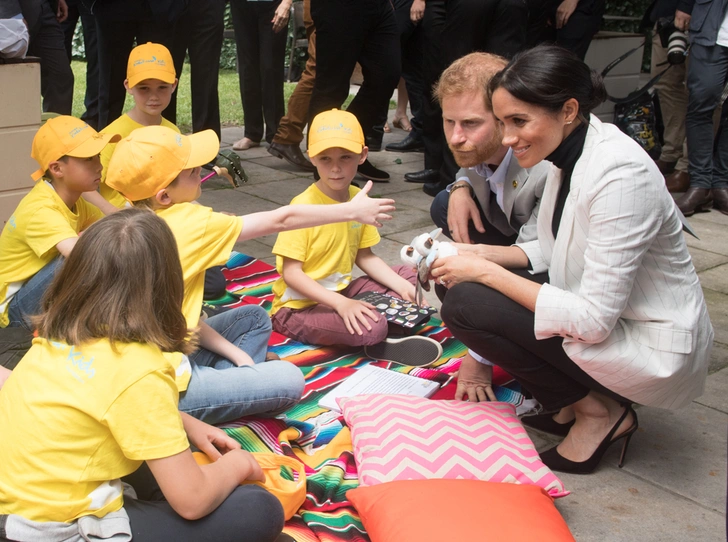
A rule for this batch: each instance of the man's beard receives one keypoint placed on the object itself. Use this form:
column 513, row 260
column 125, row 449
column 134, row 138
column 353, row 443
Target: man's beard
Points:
column 468, row 155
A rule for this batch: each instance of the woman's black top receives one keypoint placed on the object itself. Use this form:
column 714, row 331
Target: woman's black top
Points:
column 564, row 158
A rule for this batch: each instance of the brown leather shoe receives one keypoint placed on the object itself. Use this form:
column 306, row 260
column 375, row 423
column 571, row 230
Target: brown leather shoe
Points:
column 291, row 154
column 678, row 181
column 695, row 200
column 665, row 167
column 720, row 200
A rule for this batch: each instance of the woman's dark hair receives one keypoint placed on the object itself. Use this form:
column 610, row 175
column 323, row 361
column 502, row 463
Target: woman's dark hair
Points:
column 548, row 76
column 121, row 282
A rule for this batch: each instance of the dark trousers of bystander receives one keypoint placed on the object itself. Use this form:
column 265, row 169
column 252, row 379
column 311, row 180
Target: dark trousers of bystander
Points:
column 348, row 32
column 708, row 157
column 78, row 9
column 199, row 33
column 261, row 54
column 453, row 29
column 56, row 77
column 118, row 24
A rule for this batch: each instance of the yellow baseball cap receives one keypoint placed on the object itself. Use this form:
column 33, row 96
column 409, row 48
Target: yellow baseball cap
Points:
column 66, row 136
column 150, row 158
column 150, row 61
column 335, row 129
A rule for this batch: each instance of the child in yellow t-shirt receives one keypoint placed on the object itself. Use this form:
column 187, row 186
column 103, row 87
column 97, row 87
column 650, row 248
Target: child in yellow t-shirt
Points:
column 45, row 226
column 150, row 80
column 313, row 298
column 226, row 377
column 99, row 398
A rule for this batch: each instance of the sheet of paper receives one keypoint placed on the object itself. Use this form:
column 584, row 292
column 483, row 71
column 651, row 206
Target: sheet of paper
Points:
column 375, row 380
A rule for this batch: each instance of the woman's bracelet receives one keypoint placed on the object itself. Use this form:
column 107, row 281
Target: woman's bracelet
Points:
column 457, row 186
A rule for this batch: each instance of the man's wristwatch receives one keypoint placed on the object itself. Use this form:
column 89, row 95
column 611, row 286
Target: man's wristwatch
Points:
column 457, row 186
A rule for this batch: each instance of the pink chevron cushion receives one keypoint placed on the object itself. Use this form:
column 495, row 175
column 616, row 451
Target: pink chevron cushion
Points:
column 398, row 437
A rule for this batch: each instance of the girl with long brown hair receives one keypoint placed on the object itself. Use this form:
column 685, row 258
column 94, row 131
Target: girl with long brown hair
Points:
column 95, row 398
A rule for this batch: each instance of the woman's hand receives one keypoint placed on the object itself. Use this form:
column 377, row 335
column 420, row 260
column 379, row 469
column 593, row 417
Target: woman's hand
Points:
column 475, row 381
column 564, row 12
column 417, row 11
column 280, row 18
column 213, row 441
column 355, row 312
column 372, row 211
column 462, row 268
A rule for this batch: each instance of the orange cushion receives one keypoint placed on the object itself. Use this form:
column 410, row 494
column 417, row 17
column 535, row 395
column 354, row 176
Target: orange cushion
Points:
column 438, row 510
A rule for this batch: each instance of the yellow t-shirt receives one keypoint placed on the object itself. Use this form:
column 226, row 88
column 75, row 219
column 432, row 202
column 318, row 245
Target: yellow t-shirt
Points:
column 328, row 252
column 29, row 238
column 123, row 126
column 204, row 239
column 75, row 419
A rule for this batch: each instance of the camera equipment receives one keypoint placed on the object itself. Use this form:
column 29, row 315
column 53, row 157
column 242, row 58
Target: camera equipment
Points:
column 674, row 40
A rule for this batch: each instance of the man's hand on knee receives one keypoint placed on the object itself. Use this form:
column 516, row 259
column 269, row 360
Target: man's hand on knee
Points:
column 461, row 210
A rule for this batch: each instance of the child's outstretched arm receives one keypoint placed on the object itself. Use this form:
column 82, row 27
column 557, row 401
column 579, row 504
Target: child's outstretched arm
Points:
column 361, row 208
column 194, row 491
column 377, row 269
column 214, row 342
column 355, row 313
column 4, row 374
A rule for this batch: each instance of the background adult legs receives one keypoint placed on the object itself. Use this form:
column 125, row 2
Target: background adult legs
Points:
column 118, row 23
column 199, row 32
column 77, row 9
column 56, row 77
column 290, row 127
column 707, row 74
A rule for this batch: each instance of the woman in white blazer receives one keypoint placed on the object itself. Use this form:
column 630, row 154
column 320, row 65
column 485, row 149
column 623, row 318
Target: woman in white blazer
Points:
column 620, row 318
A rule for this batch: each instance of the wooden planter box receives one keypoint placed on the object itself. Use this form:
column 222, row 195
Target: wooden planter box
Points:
column 20, row 115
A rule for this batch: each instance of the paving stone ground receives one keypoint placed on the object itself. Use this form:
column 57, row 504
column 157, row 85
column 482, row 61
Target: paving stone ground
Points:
column 673, row 484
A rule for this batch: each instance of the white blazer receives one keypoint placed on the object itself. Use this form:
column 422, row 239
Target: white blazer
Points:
column 623, row 291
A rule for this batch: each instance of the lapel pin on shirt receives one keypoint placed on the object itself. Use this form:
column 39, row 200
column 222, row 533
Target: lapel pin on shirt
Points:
column 515, row 183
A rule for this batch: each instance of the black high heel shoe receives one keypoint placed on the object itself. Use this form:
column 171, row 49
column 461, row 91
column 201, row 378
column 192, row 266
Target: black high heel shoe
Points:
column 545, row 422
column 555, row 461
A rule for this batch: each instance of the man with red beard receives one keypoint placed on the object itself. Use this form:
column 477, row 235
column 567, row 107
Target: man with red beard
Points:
column 493, row 200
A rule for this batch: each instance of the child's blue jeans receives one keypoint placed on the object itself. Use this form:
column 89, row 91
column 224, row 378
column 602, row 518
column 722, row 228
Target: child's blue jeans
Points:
column 26, row 301
column 219, row 391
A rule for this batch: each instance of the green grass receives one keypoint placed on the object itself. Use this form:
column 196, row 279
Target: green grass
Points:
column 231, row 111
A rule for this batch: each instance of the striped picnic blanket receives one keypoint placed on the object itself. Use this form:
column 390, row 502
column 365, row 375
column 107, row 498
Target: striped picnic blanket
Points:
column 316, row 436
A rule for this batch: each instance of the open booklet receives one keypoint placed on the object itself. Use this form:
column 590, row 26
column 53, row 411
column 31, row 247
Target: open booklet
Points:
column 375, row 380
